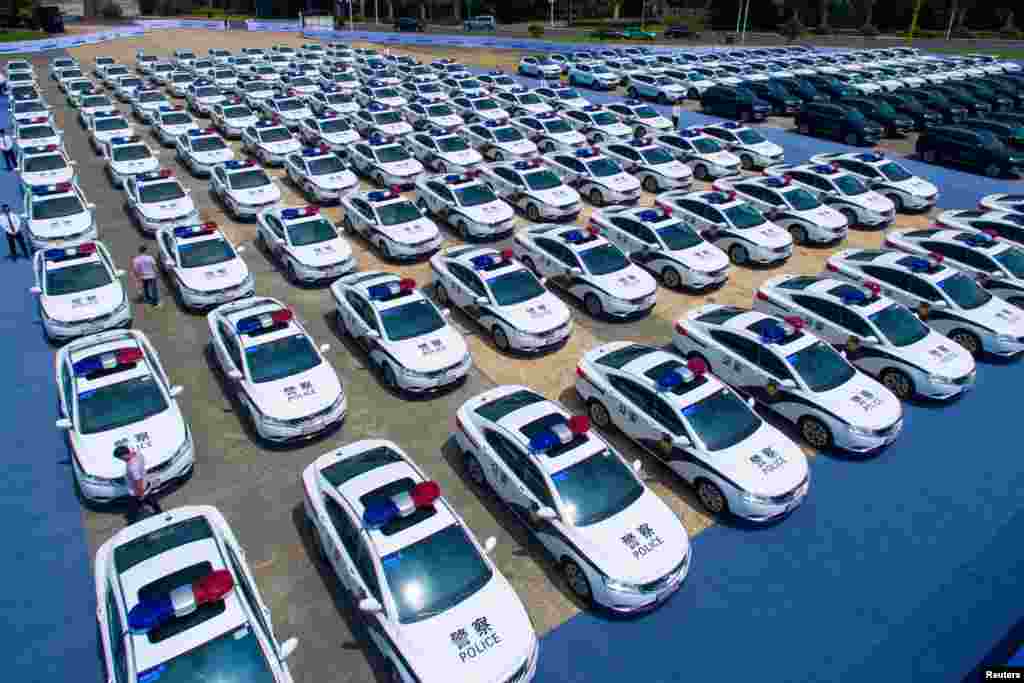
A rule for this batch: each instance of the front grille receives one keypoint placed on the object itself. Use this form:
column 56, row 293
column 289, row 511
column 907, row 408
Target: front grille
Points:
column 638, row 300
column 718, row 273
column 966, row 379
column 659, row 584
column 556, row 332
column 420, row 243
column 86, row 321
column 780, row 250
column 299, row 421
column 887, row 431
column 783, row 498
column 442, row 371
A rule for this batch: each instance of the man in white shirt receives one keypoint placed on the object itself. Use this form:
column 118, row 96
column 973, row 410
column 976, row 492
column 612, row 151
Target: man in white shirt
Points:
column 12, row 228
column 7, row 145
column 135, row 478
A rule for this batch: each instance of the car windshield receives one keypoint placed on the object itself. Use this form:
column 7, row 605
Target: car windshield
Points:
column 557, row 126
column 57, row 207
column 542, row 180
column 205, row 253
column 151, row 193
column 76, row 278
column 850, row 185
column 605, row 118
column 410, row 320
column 265, row 70
column 237, row 112
column 678, row 236
column 311, row 232
column 381, row 93
column 48, row 162
column 1013, row 260
column 434, row 574
column 35, row 132
column 208, row 144
column 391, row 154
column 800, row 199
column 290, row 105
column 474, row 195
column 275, row 135
column 656, row 156
column 131, row 153
column 152, row 97
column 119, row 405
column 899, row 325
column 596, row 488
column 452, row 144
column 507, row 135
column 96, row 101
column 398, row 213
column 182, row 78
column 36, row 105
column 964, row 291
column 750, row 137
column 885, row 108
column 603, row 259
column 274, row 360
column 439, row 110
column 326, row 165
column 176, row 119
column 821, row 367
column 706, row 145
column 721, row 420
column 515, row 287
column 568, row 94
column 744, row 216
column 246, row 180
column 387, row 117
column 207, row 92
column 529, row 98
column 895, row 172
column 111, row 123
column 485, row 105
column 604, row 167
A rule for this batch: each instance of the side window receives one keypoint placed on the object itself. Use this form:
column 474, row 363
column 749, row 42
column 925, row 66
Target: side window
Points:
column 508, row 175
column 827, row 310
column 771, row 364
column 923, row 289
column 348, row 534
column 965, row 255
column 231, row 346
column 116, row 634
column 666, row 417
column 637, row 395
column 564, row 254
column 364, row 563
column 68, row 387
column 275, row 226
column 713, row 214
column 887, row 276
column 169, row 246
column 250, row 592
column 468, row 278
column 534, row 480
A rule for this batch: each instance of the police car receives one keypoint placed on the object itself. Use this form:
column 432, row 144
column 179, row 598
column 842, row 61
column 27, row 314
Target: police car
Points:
column 615, row 542
column 842, row 191
column 480, row 109
column 425, row 90
column 598, row 124
column 35, row 108
column 243, row 188
column 201, row 95
column 522, row 102
column 466, row 203
column 550, row 132
column 641, row 117
column 343, row 81
column 887, row 177
column 504, row 297
column 664, row 245
column 500, row 141
column 320, row 174
column 534, row 189
column 58, row 63
column 47, row 165
column 377, row 119
column 653, row 165
column 203, row 266
column 112, row 73
column 791, row 207
column 442, row 151
column 72, row 87
column 449, row 68
column 127, row 157
column 203, row 68
column 593, row 75
column 408, row 340
column 998, row 265
column 224, row 78
column 161, row 72
column 183, row 58
column 270, row 142
column 201, row 149
column 114, row 391
column 57, row 215
column 221, row 56
column 731, row 224
column 329, row 130
column 539, row 66
column 332, row 100
column 280, row 63
column 1002, row 202
column 179, row 82
column 289, row 110
column 299, row 84
column 157, row 200
column 698, row 427
column 498, row 82
column 170, row 123
column 434, row 602
column 147, row 102
column 385, row 161
column 881, row 337
column 427, row 114
column 465, row 87
column 375, row 91
column 948, row 300
column 307, row 244
column 174, row 594
column 99, row 63
column 66, row 76
column 657, row 87
column 793, row 373
column 589, row 267
column 102, row 126
column 126, row 87
column 391, row 223
column 749, row 145
column 232, row 116
column 595, row 176
column 79, row 291
column 562, row 98
column 266, row 74
column 37, row 132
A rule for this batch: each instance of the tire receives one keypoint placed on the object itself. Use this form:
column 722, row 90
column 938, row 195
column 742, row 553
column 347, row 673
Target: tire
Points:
column 968, row 340
column 385, row 252
column 593, row 305
column 640, row 131
column 500, row 338
column 347, row 226
column 499, row 157
column 598, row 138
column 596, row 199
column 896, row 202
column 670, row 278
column 261, row 243
column 804, row 129
column 421, row 204
column 292, row 276
column 441, row 168
column 993, row 171
column 632, row 93
column 799, row 234
column 852, row 140
column 711, row 497
column 746, row 117
column 599, row 415
column 701, row 172
column 379, row 180
column 650, row 184
column 815, row 432
column 474, row 471
column 898, row 382
column 533, row 213
column 387, row 376
column 577, row 581
column 738, row 254
column 747, row 162
column 462, row 230
column 693, row 94
column 441, row 294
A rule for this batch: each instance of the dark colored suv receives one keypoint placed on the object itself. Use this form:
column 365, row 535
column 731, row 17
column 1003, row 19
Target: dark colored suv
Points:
column 951, row 113
column 802, row 88
column 877, row 110
column 1011, row 135
column 957, row 95
column 837, row 122
column 1006, row 88
column 410, row 24
column 832, row 87
column 906, row 105
column 734, row 103
column 783, row 103
column 983, row 92
column 975, row 149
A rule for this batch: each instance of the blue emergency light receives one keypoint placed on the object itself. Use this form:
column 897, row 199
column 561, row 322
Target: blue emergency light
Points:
column 315, row 151
column 917, row 265
column 491, row 261
column 852, row 296
column 871, row 157
column 670, row 380
column 491, row 124
column 652, row 215
column 165, row 109
column 264, row 321
column 690, row 133
column 633, row 103
column 378, row 139
column 826, row 169
column 290, row 214
column 196, row 132
column 776, row 332
column 375, row 106
column 85, row 249
column 592, row 107
column 719, row 197
column 195, row 230
column 586, row 153
column 730, row 125
column 236, row 163
column 776, row 182
column 381, row 195
column 641, row 142
column 980, row 239
column 382, row 511
column 154, row 175
column 155, row 611
column 41, row 150
column 560, row 434
column 110, row 360
column 125, row 140
column 390, row 290
column 43, row 190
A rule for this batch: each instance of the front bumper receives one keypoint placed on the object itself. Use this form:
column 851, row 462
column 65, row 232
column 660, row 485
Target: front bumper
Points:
column 150, row 226
column 997, row 347
column 622, row 308
column 873, row 219
column 161, row 479
column 942, row 391
column 760, row 255
column 491, row 229
column 629, row 602
column 40, row 243
column 917, row 202
column 249, row 210
column 303, row 428
column 535, row 343
column 864, row 443
column 765, row 511
column 434, row 381
column 196, row 299
column 319, row 273
column 119, row 317
column 696, row 279
column 404, row 250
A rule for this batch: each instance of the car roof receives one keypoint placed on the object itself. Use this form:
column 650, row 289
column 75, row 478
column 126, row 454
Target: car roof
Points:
column 255, row 306
column 829, row 289
column 750, row 324
column 890, row 259
column 647, row 364
column 100, row 344
column 365, row 280
column 968, row 239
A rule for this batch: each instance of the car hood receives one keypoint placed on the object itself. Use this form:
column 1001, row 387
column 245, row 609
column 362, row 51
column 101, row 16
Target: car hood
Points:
column 396, row 129
column 295, row 114
column 723, row 158
column 292, row 398
column 632, row 282
column 257, row 195
column 406, row 167
column 282, row 147
column 767, row 463
column 491, row 212
column 84, row 305
column 620, row 182
column 138, row 166
column 241, row 121
column 431, row 352
column 768, row 235
column 219, row 276
column 519, row 147
column 60, row 175
column 491, row 114
column 862, row 402
column 419, row 230
column 336, row 181
column 60, row 227
column 324, row 253
column 216, row 156
column 938, row 355
column 915, row 186
column 997, row 315
column 466, row 157
column 556, row 196
column 872, row 201
column 448, row 121
column 768, row 149
column 704, row 258
column 824, row 216
column 171, row 209
column 539, row 314
column 165, row 432
column 618, row 130
column 673, row 169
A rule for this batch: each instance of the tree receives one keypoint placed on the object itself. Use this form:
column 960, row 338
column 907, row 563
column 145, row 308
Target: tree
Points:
column 1006, row 14
column 869, row 11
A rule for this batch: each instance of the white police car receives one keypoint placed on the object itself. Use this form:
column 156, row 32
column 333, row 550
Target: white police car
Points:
column 102, row 126
column 179, row 82
column 500, row 141
column 589, row 267
column 664, row 245
column 653, row 165
column 201, row 95
column 794, row 374
column 203, row 68
column 243, row 188
column 503, row 296
column 266, row 73
column 408, row 340
column 320, row 174
column 657, row 87
column 174, row 595
column 58, row 63
column 615, row 542
column 1002, row 201
column 47, row 165
column 480, row 109
column 161, row 72
column 385, row 161
column 377, row 119
column 534, row 189
column 593, row 75
column 37, row 132
column 550, row 132
column 391, row 223
column 65, row 76
column 183, row 58
column 306, row 243
column 343, row 81
column 126, row 87
column 466, row 203
column 158, row 200
column 222, row 56
column 224, row 78
column 79, row 291
column 232, row 116
column 203, row 266
column 539, row 66
column 842, row 191
column 598, row 124
column 699, row 428
column 791, row 207
column 434, row 603
column 128, row 157
column 887, row 177
column 425, row 90
column 200, row 149
column 170, row 123
column 112, row 73
column 375, row 91
column 522, row 102
column 57, row 216
column 881, row 337
column 289, row 110
column 270, row 142
column 425, row 114
column 1005, row 224
column 562, row 98
column 948, row 300
column 331, row 100
column 753, row 149
column 99, row 63
column 643, row 118
column 254, row 90
column 28, row 109
column 147, row 102
column 498, row 81
column 442, row 151
column 595, row 176
column 731, row 224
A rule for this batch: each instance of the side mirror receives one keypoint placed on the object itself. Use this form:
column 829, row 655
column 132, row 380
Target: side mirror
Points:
column 37, row 290
column 752, row 403
column 168, row 263
column 788, row 384
column 490, row 544
column 370, row 606
column 446, row 312
column 941, row 303
column 324, row 348
column 90, row 206
column 574, row 271
column 74, row 163
column 240, row 249
column 870, row 339
column 544, row 512
column 481, row 301
column 638, row 467
column 119, row 272
column 287, row 648
column 63, row 423
column 176, row 390
column 235, row 375
column 373, row 334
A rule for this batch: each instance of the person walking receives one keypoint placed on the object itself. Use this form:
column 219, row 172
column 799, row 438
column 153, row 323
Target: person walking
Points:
column 7, row 145
column 144, row 271
column 12, row 228
column 677, row 113
column 139, row 487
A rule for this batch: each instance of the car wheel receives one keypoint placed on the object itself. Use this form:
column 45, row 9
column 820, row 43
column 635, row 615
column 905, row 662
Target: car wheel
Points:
column 815, row 432
column 651, row 184
column 462, row 229
column 474, row 470
column 711, row 497
column 929, row 156
column 387, row 375
column 738, row 254
column 598, row 138
column 548, row 147
column 441, row 168
column 896, row 202
column 898, row 382
column 993, row 171
column 421, row 204
column 379, row 179
column 385, row 251
column 500, row 338
column 968, row 340
column 746, row 117
column 850, row 216
column 596, row 198
column 593, row 305
column 804, row 129
column 799, row 234
column 292, row 276
column 347, row 226
column 670, row 278
column 747, row 162
column 577, row 581
column 1016, row 301
column 441, row 294
column 599, row 415
column 852, row 140
column 498, row 156
column 533, row 213
column 261, row 243
column 701, row 171
column 693, row 94
column 640, row 131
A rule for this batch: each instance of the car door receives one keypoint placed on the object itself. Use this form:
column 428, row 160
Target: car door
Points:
column 363, row 219
column 465, row 288
column 962, row 257
column 277, row 239
column 356, row 317
column 506, row 184
column 825, row 319
column 226, row 347
column 736, row 361
column 629, row 236
column 630, row 411
column 439, row 199
column 503, row 471
column 554, row 260
column 341, row 546
column 629, row 158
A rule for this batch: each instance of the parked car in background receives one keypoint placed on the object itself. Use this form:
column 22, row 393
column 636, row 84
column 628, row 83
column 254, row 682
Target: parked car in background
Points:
column 481, row 23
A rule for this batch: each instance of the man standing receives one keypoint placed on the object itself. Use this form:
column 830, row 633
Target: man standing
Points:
column 135, row 478
column 7, row 145
column 677, row 112
column 144, row 270
column 12, row 228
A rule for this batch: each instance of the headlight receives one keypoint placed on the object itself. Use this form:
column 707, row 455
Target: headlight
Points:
column 620, row 586
column 941, row 379
column 754, row 498
column 860, row 431
column 184, row 449
column 100, row 481
column 1006, row 338
column 413, row 374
